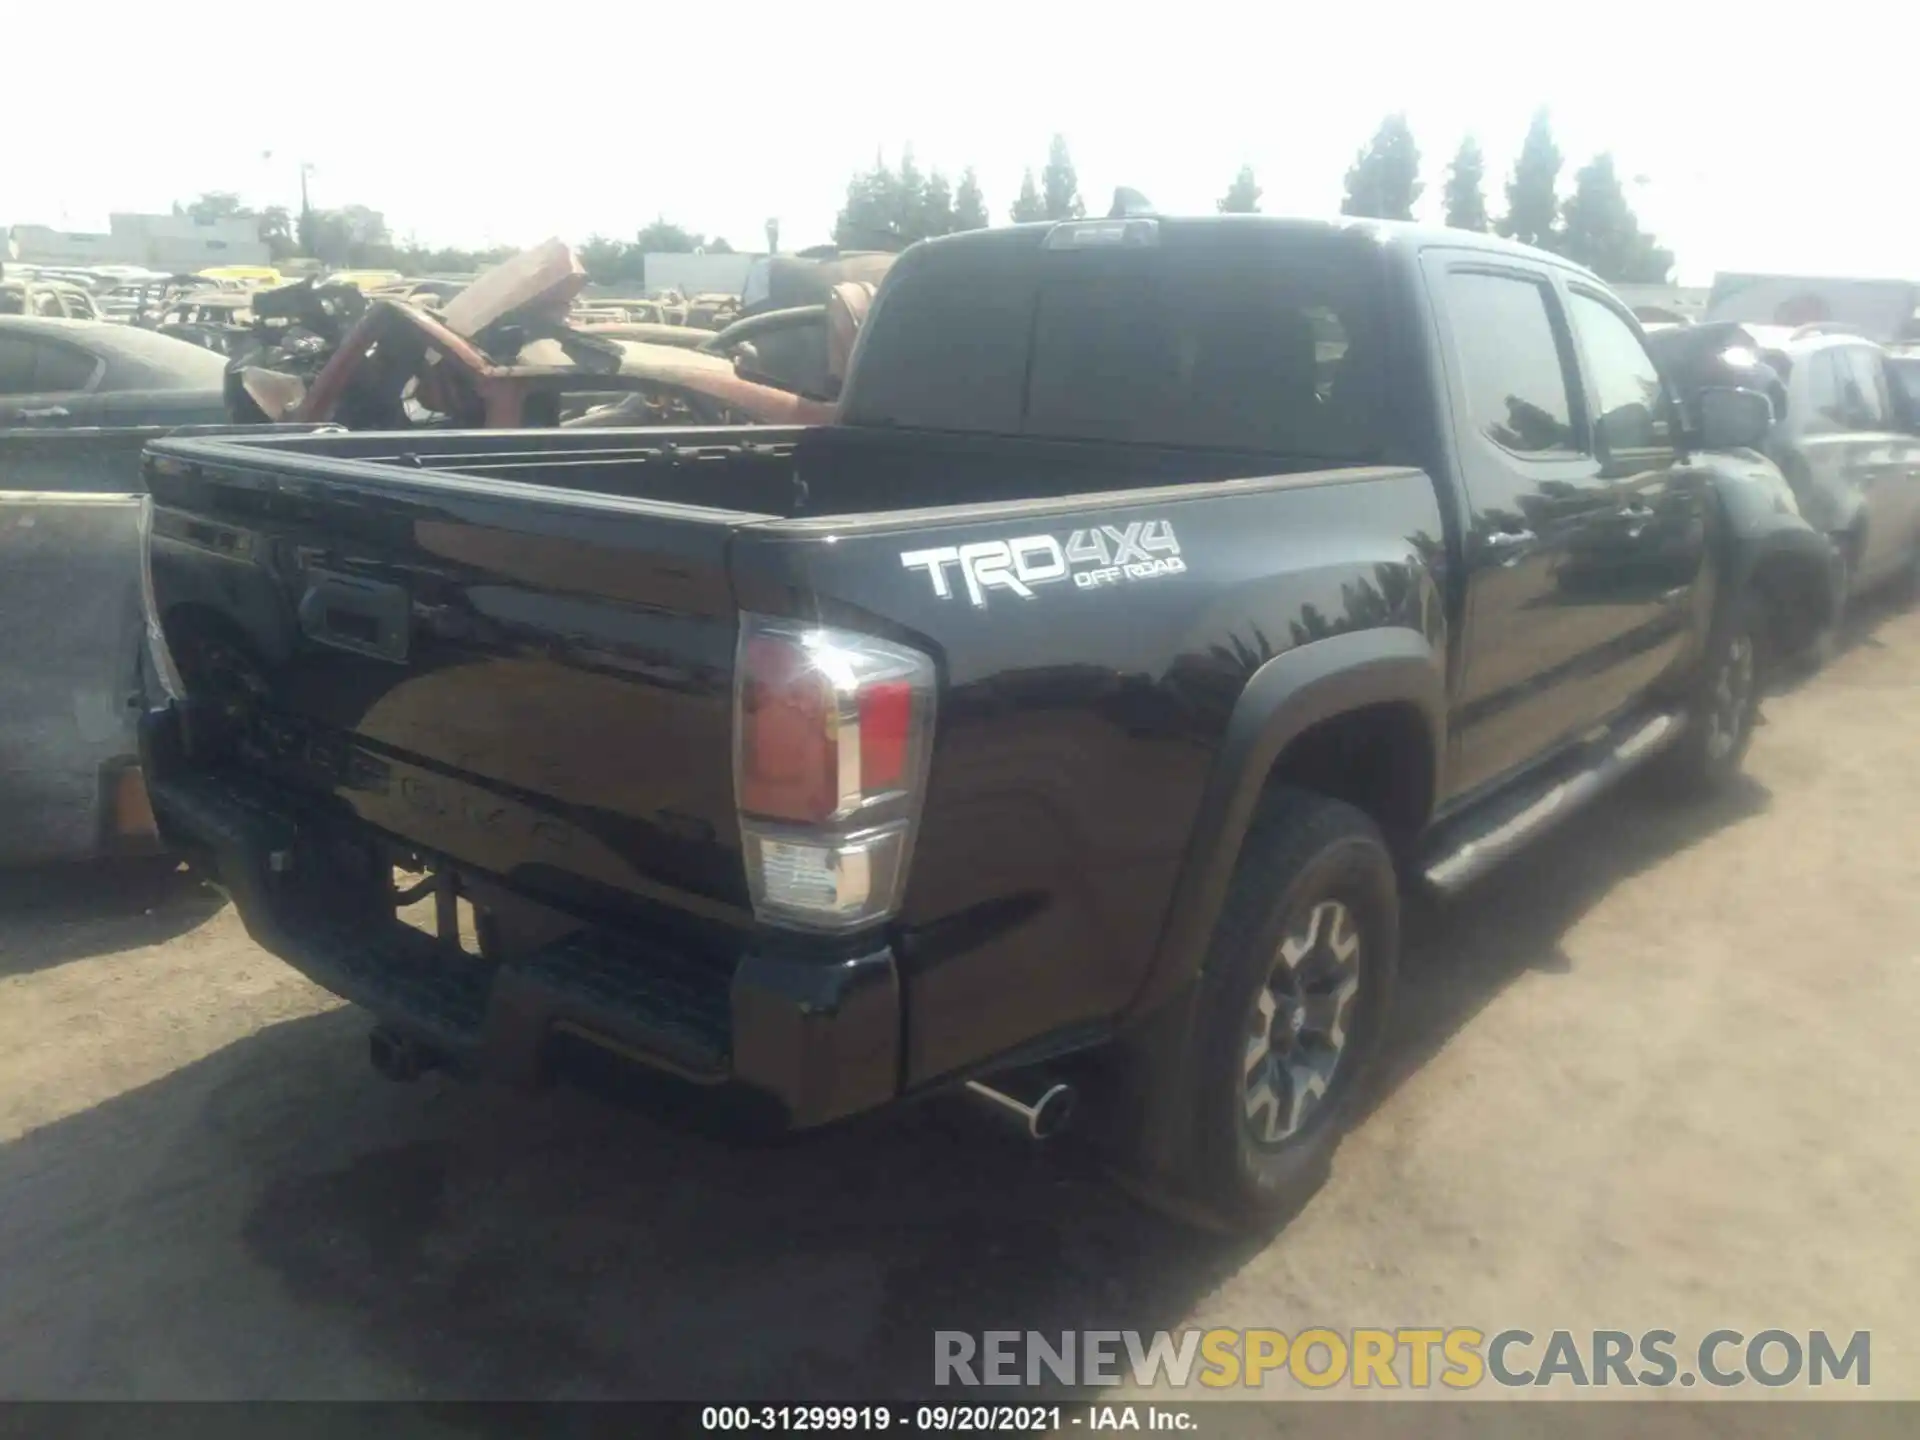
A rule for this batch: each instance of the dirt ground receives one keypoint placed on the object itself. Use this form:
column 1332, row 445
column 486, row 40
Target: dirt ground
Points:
column 1657, row 1074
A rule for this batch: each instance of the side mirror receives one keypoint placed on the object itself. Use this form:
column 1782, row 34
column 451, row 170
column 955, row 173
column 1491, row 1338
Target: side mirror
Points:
column 1736, row 419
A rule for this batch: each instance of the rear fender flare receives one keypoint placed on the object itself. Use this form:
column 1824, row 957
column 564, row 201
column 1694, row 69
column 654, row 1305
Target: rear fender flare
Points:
column 1284, row 698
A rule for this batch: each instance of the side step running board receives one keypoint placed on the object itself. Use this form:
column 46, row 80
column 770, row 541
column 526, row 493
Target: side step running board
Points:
column 1471, row 846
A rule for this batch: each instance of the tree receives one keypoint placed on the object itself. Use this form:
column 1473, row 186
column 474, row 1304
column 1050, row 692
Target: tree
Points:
column 449, row 260
column 612, row 262
column 276, row 232
column 864, row 220
column 886, row 208
column 325, row 236
column 367, row 226
column 969, row 205
column 718, row 245
column 215, row 205
column 1533, row 198
column 1059, row 185
column 1601, row 231
column 906, row 198
column 1384, row 179
column 273, row 225
column 936, row 207
column 1242, row 197
column 1466, row 198
column 663, row 237
column 1028, row 205
column 353, row 235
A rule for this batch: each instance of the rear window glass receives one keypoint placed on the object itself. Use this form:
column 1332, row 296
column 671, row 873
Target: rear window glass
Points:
column 951, row 352
column 1249, row 341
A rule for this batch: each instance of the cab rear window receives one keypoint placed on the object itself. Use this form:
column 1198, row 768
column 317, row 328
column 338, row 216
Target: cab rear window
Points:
column 1235, row 339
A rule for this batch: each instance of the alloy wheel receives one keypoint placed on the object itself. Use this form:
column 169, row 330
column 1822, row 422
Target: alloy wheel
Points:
column 1730, row 698
column 1300, row 1023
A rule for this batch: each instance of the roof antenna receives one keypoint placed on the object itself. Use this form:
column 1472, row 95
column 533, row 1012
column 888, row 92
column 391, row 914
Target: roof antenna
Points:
column 1128, row 202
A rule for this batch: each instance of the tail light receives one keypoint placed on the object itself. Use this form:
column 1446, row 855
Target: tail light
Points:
column 831, row 734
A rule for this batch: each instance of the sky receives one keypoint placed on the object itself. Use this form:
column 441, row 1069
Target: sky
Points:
column 1750, row 148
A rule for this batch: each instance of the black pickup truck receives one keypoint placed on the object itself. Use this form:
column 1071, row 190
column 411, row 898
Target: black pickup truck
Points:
column 1172, row 596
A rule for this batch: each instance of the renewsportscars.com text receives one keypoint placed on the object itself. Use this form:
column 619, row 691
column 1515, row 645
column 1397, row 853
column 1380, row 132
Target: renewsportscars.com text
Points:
column 1456, row 1359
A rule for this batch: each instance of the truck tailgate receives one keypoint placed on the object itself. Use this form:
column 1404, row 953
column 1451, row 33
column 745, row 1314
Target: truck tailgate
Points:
column 531, row 682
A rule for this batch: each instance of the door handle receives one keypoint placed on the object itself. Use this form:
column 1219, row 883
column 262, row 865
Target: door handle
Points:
column 45, row 412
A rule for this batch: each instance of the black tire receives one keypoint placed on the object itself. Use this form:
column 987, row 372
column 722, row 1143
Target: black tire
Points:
column 1319, row 869
column 1724, row 704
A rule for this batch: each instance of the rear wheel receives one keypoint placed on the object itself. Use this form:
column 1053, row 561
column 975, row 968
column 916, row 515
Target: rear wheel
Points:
column 1292, row 1004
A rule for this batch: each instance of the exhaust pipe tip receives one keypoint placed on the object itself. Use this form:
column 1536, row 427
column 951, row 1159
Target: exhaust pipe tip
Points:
column 1041, row 1108
column 397, row 1058
column 1052, row 1111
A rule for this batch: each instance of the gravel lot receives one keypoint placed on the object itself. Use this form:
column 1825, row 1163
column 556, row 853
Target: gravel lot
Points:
column 1656, row 1074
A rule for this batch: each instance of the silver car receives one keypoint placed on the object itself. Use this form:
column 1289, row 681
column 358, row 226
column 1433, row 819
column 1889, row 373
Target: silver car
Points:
column 1848, row 446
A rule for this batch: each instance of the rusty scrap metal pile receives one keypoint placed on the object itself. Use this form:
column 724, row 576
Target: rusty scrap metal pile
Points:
column 520, row 347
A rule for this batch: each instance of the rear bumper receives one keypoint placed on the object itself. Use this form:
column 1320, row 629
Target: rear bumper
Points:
column 780, row 1041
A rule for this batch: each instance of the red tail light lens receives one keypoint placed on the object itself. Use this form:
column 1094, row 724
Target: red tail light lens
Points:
column 832, row 729
column 886, row 725
column 789, row 745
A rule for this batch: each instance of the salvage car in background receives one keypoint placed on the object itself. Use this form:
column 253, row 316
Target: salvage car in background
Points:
column 1847, row 445
column 78, row 401
column 211, row 319
column 55, row 299
column 1799, row 579
column 82, row 372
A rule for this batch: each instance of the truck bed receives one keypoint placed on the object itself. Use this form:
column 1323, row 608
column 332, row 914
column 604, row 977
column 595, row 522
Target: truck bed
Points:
column 768, row 471
column 514, row 656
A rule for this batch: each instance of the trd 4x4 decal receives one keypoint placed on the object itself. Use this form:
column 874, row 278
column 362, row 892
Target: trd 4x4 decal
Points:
column 1092, row 558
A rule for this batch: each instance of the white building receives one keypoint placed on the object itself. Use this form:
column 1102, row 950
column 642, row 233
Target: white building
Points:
column 1665, row 303
column 698, row 274
column 159, row 242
